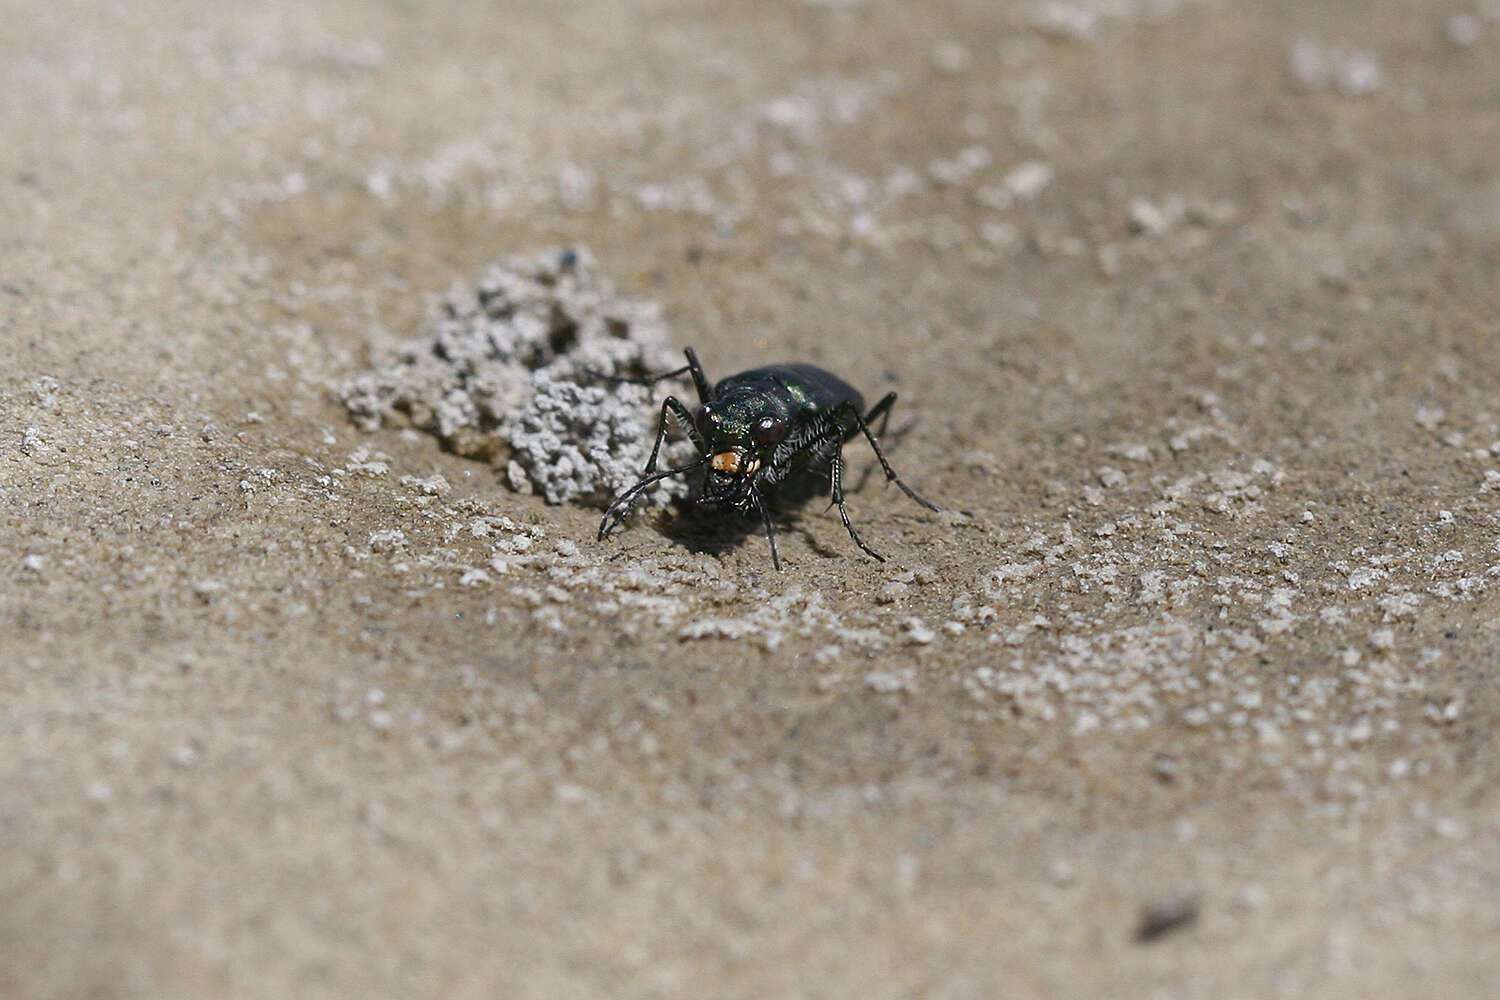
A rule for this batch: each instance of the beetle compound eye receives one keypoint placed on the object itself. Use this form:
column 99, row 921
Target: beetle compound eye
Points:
column 768, row 430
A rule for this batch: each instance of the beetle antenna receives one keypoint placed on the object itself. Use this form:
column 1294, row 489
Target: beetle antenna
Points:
column 620, row 509
column 634, row 379
column 693, row 368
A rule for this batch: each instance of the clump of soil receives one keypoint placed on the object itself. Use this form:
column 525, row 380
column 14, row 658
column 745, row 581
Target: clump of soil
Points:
column 504, row 373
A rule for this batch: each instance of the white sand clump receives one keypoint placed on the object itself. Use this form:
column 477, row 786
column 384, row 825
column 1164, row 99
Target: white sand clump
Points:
column 501, row 373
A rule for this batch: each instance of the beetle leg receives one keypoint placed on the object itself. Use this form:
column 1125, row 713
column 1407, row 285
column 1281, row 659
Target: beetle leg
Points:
column 765, row 516
column 619, row 509
column 674, row 406
column 882, row 410
column 883, row 407
column 700, row 381
column 693, row 368
column 836, row 484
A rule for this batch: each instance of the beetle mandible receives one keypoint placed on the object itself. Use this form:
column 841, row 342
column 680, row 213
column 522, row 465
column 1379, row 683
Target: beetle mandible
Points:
column 754, row 430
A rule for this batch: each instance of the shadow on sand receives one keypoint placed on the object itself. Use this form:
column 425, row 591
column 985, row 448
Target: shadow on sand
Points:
column 718, row 530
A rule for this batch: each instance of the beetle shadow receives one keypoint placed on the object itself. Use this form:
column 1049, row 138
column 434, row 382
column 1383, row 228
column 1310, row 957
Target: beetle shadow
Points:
column 716, row 531
column 703, row 530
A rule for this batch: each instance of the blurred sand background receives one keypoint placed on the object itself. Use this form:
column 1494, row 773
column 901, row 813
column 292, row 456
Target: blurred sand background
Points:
column 1193, row 304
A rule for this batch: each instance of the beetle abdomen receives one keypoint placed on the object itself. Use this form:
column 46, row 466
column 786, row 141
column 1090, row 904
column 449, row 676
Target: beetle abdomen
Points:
column 815, row 389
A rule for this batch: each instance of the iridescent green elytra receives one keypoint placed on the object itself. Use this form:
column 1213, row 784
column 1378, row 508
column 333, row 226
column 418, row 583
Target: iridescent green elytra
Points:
column 754, row 430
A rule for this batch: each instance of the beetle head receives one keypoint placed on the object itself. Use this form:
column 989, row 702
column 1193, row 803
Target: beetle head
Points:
column 741, row 436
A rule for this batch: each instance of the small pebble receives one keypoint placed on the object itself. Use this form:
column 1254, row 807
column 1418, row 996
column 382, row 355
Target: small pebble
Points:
column 1163, row 916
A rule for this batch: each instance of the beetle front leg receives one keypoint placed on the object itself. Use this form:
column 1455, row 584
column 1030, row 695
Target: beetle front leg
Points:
column 620, row 507
column 674, row 406
column 700, row 381
column 765, row 516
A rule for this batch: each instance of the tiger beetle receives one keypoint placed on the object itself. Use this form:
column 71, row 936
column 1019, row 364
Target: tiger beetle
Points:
column 754, row 430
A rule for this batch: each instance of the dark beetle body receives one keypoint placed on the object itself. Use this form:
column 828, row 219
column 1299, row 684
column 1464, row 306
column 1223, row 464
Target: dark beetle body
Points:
column 754, row 430
column 796, row 404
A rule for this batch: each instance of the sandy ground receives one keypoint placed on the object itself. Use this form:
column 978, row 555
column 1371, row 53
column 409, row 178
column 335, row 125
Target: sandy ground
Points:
column 1193, row 305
